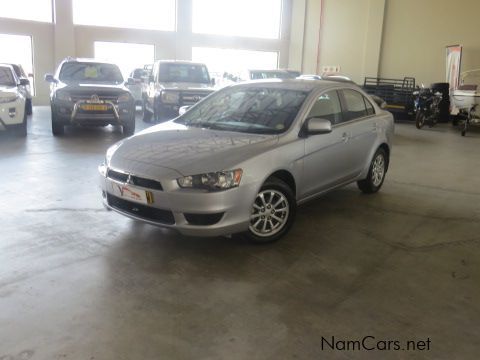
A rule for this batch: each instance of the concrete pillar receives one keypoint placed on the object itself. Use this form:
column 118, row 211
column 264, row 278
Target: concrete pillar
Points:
column 64, row 33
column 183, row 46
column 373, row 38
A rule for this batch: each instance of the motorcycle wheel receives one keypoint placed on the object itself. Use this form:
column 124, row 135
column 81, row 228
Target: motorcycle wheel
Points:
column 419, row 120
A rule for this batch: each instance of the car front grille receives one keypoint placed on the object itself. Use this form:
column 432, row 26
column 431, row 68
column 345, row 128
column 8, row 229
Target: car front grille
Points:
column 88, row 96
column 134, row 180
column 141, row 211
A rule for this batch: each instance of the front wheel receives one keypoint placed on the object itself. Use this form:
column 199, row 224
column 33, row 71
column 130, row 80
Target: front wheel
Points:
column 129, row 127
column 57, row 128
column 420, row 119
column 273, row 212
column 376, row 173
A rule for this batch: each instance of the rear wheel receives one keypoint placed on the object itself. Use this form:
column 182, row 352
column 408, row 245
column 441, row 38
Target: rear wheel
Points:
column 420, row 119
column 273, row 212
column 376, row 173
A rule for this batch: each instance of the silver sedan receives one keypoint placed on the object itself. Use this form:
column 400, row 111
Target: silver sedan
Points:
column 241, row 160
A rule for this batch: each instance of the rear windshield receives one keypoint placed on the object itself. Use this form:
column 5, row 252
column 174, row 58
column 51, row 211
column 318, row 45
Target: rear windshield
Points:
column 184, row 73
column 91, row 72
column 6, row 77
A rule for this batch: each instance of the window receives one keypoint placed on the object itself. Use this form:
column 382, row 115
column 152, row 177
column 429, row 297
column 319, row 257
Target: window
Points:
column 250, row 18
column 327, row 107
column 35, row 10
column 368, row 104
column 126, row 55
column 90, row 72
column 6, row 77
column 355, row 104
column 19, row 53
column 231, row 64
column 183, row 73
column 141, row 14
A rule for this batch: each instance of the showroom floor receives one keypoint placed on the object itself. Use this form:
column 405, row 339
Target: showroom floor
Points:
column 78, row 282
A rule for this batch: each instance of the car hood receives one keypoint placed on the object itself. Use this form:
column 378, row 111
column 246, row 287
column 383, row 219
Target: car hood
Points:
column 187, row 86
column 7, row 91
column 189, row 151
column 85, row 86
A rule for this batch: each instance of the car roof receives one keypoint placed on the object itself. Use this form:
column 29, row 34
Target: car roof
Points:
column 180, row 62
column 86, row 60
column 297, row 84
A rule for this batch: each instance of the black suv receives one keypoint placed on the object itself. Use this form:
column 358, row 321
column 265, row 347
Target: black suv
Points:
column 89, row 92
column 174, row 84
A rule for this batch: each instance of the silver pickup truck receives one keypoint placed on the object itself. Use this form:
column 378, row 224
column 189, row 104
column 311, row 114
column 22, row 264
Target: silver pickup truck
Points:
column 174, row 84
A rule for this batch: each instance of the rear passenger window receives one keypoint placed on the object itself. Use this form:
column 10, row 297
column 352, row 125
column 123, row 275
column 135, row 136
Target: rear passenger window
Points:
column 327, row 107
column 355, row 104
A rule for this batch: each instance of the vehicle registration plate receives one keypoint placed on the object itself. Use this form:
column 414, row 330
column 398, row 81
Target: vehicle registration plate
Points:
column 94, row 107
column 129, row 192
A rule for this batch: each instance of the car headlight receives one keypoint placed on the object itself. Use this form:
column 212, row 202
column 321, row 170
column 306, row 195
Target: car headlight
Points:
column 215, row 181
column 124, row 98
column 170, row 97
column 63, row 95
column 9, row 99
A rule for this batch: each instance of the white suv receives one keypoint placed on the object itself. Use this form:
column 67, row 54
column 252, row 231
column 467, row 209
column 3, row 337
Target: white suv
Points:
column 13, row 113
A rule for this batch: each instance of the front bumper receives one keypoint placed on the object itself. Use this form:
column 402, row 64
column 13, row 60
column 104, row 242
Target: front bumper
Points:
column 12, row 113
column 228, row 212
column 69, row 113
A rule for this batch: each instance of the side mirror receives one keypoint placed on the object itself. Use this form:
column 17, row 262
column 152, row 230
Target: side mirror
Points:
column 24, row 82
column 183, row 109
column 49, row 78
column 130, row 81
column 316, row 126
column 380, row 102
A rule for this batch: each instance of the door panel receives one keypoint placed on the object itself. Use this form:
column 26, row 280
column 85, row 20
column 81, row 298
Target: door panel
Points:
column 326, row 154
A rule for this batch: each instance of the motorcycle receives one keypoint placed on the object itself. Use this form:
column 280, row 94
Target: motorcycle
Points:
column 426, row 105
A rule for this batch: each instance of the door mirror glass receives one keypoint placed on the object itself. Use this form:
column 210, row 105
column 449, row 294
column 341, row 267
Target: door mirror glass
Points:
column 49, row 78
column 24, row 82
column 316, row 125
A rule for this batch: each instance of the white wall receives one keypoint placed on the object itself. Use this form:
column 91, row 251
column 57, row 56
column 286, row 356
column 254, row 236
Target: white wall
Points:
column 53, row 42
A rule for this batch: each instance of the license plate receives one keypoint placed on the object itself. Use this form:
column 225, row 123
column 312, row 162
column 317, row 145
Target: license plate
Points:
column 129, row 192
column 94, row 107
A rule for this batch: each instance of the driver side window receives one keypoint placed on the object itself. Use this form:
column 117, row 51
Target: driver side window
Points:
column 327, row 107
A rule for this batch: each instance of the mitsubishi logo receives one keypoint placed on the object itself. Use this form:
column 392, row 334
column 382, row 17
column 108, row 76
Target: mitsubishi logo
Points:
column 196, row 98
column 95, row 98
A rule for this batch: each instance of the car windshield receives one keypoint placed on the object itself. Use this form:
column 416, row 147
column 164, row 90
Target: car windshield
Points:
column 184, row 73
column 6, row 77
column 259, row 110
column 91, row 72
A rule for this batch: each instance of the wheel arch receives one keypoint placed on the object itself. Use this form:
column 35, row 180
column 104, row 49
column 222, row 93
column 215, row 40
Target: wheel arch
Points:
column 287, row 177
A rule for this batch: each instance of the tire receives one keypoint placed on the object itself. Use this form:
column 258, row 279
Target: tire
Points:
column 281, row 195
column 57, row 128
column 22, row 128
column 129, row 127
column 374, row 180
column 147, row 115
column 28, row 106
column 419, row 119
